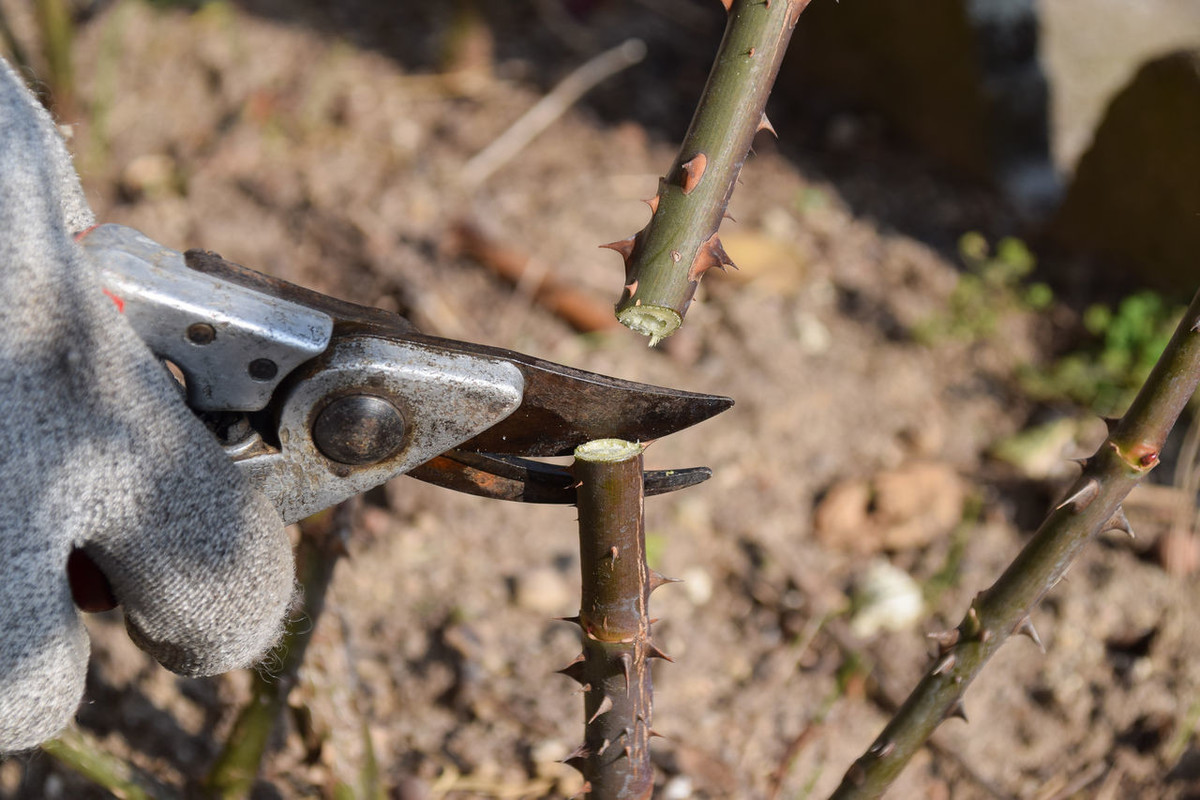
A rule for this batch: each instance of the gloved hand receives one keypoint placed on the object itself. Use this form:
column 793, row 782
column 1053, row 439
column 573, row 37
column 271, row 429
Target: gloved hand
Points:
column 98, row 452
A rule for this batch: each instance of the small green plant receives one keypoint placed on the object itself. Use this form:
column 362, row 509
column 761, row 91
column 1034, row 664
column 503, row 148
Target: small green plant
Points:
column 1115, row 360
column 993, row 286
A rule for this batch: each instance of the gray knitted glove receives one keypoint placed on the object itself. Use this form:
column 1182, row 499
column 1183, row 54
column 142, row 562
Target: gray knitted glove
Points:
column 98, row 452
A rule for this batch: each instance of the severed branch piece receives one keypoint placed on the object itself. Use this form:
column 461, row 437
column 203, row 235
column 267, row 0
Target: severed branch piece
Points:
column 1092, row 505
column 665, row 260
column 614, row 668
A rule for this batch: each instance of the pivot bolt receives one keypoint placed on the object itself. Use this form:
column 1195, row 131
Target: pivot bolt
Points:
column 359, row 429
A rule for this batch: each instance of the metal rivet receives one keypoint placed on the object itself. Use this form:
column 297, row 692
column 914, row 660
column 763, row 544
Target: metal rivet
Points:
column 359, row 429
column 201, row 333
column 262, row 369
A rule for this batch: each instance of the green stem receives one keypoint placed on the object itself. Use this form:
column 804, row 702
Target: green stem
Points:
column 665, row 261
column 614, row 666
column 1092, row 506
column 237, row 767
column 79, row 751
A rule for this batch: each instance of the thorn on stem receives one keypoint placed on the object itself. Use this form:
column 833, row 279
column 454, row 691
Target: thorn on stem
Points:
column 945, row 640
column 1082, row 498
column 945, row 664
column 1119, row 522
column 626, row 662
column 657, row 579
column 957, row 709
column 882, row 750
column 764, row 124
column 693, row 171
column 652, row 651
column 575, row 670
column 606, row 704
column 1025, row 628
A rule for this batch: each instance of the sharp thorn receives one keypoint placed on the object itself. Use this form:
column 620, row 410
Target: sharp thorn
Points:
column 657, row 579
column 764, row 124
column 1111, row 423
column 626, row 662
column 1025, row 628
column 957, row 709
column 945, row 640
column 652, row 651
column 575, row 670
column 946, row 664
column 1082, row 498
column 693, row 172
column 653, row 734
column 575, row 620
column 1119, row 522
column 606, row 704
column 882, row 749
column 603, row 746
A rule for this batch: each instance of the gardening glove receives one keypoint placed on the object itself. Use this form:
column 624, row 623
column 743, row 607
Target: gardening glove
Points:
column 100, row 455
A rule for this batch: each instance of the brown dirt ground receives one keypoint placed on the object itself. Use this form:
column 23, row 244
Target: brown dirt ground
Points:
column 305, row 143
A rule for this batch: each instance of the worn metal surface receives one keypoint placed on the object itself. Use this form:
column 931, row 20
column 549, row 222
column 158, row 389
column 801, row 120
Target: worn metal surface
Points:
column 336, row 398
column 444, row 398
column 233, row 345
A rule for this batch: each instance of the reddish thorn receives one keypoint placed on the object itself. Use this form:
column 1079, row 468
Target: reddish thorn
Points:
column 603, row 746
column 614, row 552
column 657, row 579
column 653, row 203
column 945, row 665
column 606, row 704
column 728, row 4
column 575, row 669
column 750, row 53
column 626, row 667
column 622, row 246
column 652, row 651
column 693, row 171
column 764, row 124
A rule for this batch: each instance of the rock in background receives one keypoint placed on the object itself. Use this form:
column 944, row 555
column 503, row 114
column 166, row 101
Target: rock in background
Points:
column 1135, row 198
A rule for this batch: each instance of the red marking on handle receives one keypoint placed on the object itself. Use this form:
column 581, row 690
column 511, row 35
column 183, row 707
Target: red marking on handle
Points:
column 79, row 236
column 117, row 301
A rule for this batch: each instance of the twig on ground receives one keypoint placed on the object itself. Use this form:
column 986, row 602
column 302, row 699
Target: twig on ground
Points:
column 1093, row 505
column 582, row 312
column 482, row 165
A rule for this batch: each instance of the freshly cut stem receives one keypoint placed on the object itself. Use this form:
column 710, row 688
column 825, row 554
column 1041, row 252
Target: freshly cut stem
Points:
column 1093, row 505
column 665, row 261
column 614, row 666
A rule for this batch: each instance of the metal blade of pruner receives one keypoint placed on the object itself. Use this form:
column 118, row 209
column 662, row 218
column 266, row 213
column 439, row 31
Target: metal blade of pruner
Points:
column 318, row 399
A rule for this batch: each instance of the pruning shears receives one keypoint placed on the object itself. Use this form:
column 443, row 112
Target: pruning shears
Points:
column 317, row 399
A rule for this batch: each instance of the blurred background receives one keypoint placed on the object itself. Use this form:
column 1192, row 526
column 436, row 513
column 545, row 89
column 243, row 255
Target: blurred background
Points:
column 970, row 241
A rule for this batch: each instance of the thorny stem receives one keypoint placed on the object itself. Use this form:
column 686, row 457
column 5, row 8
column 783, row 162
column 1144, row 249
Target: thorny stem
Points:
column 1092, row 506
column 665, row 260
column 320, row 547
column 613, row 668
